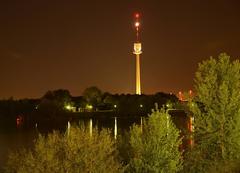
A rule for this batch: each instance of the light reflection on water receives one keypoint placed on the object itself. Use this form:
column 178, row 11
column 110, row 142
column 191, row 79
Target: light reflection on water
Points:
column 15, row 139
column 115, row 127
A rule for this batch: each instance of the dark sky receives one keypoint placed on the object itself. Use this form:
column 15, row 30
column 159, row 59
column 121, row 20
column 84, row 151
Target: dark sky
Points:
column 46, row 45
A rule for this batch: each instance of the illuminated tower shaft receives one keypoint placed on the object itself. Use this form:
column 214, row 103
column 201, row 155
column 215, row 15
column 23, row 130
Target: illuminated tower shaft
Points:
column 137, row 51
column 138, row 77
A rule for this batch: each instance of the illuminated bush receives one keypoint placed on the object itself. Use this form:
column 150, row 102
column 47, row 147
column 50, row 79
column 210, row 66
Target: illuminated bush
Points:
column 216, row 111
column 72, row 153
column 155, row 148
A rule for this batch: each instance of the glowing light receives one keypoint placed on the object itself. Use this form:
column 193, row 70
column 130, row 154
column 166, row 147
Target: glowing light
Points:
column 19, row 121
column 137, row 15
column 137, row 24
column 68, row 128
column 89, row 107
column 190, row 92
column 68, row 107
column 141, row 105
column 191, row 124
column 191, row 127
column 115, row 127
column 115, row 106
column 180, row 95
column 90, row 127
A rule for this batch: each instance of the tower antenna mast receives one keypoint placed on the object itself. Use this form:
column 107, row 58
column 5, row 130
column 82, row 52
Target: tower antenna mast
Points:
column 137, row 26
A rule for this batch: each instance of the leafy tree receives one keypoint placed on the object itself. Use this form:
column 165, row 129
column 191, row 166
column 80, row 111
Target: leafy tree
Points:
column 108, row 101
column 216, row 111
column 79, row 102
column 55, row 102
column 92, row 95
column 155, row 148
column 76, row 151
column 60, row 97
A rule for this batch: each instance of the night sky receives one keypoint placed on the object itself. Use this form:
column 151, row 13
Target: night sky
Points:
column 46, row 45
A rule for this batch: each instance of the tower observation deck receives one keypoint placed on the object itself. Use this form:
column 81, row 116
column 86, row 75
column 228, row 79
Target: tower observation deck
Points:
column 137, row 51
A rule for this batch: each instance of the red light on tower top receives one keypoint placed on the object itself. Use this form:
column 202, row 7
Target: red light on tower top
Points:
column 137, row 23
column 137, row 15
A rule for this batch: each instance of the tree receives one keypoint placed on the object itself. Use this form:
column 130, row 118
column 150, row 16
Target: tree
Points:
column 156, row 148
column 216, row 112
column 92, row 95
column 76, row 151
column 55, row 102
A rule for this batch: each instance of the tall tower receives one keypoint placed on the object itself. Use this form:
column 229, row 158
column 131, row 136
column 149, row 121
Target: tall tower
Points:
column 137, row 51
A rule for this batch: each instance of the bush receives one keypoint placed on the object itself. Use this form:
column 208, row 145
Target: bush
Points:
column 76, row 152
column 155, row 148
column 216, row 112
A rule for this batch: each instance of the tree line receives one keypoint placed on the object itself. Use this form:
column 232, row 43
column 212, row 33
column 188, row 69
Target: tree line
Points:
column 58, row 104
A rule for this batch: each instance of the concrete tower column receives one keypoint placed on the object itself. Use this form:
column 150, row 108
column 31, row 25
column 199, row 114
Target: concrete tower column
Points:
column 137, row 52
